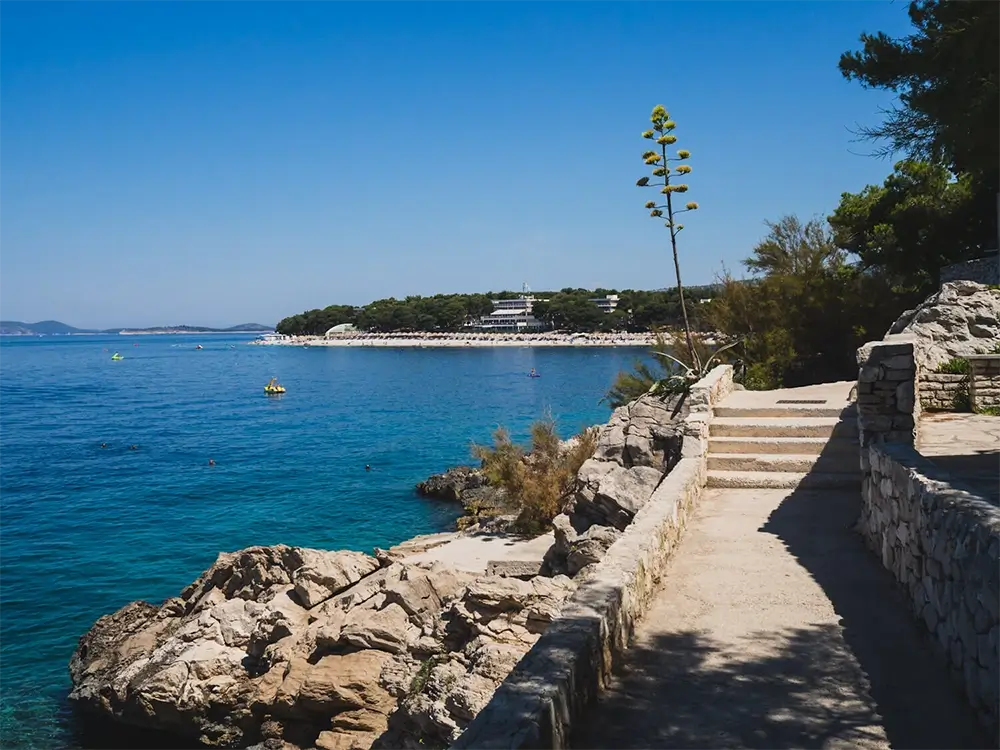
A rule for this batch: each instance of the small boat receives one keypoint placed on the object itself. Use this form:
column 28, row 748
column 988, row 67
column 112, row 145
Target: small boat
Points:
column 116, row 356
column 273, row 387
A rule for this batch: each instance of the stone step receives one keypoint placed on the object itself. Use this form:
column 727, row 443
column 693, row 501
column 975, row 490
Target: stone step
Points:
column 787, row 412
column 783, row 445
column 773, row 427
column 843, row 463
column 781, row 480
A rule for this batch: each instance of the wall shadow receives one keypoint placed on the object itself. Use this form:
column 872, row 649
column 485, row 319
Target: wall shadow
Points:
column 907, row 678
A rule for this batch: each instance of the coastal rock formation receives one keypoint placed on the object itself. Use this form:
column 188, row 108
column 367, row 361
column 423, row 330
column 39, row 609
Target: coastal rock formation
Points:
column 638, row 446
column 470, row 487
column 961, row 319
column 453, row 484
column 288, row 647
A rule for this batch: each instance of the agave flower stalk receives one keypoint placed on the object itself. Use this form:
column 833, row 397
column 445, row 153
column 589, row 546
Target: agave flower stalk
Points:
column 662, row 134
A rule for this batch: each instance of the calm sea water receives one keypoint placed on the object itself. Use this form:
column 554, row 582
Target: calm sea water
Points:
column 85, row 529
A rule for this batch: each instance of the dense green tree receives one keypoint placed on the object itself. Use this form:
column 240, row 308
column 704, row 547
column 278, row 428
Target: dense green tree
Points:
column 572, row 310
column 317, row 322
column 906, row 229
column 803, row 315
column 947, row 76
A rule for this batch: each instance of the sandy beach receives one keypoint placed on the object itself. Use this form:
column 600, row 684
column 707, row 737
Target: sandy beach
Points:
column 463, row 339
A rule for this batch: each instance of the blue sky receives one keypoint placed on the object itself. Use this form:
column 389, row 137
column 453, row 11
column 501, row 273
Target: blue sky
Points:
column 221, row 163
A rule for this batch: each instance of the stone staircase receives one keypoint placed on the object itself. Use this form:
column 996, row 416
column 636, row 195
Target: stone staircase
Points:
column 776, row 446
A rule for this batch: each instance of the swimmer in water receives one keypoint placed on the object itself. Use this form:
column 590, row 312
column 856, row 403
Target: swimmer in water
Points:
column 104, row 445
column 133, row 447
column 368, row 467
column 211, row 462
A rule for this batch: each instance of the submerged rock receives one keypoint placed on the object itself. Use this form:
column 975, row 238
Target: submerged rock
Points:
column 284, row 647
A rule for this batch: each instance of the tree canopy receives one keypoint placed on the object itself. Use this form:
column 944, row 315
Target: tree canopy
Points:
column 808, row 310
column 569, row 309
column 920, row 219
column 947, row 76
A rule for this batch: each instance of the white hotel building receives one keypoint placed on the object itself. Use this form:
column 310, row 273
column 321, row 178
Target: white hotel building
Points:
column 515, row 316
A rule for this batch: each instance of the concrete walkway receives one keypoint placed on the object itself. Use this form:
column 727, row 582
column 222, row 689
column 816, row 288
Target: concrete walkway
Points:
column 776, row 628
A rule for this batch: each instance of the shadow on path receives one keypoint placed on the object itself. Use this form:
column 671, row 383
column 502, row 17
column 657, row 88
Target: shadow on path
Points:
column 811, row 683
column 919, row 705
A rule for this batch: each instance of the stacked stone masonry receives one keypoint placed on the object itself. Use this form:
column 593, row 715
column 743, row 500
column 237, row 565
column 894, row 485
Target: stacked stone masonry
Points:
column 943, row 391
column 946, row 392
column 887, row 388
column 556, row 682
column 984, row 270
column 942, row 543
column 984, row 381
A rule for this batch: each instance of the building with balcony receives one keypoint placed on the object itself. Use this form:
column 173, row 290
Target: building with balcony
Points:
column 607, row 304
column 510, row 316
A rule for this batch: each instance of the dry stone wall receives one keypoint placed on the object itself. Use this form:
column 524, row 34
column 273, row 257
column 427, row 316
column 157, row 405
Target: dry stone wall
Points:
column 941, row 541
column 947, row 392
column 984, row 381
column 888, row 408
column 944, row 391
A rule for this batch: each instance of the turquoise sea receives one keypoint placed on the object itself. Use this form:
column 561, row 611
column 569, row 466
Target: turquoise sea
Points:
column 85, row 529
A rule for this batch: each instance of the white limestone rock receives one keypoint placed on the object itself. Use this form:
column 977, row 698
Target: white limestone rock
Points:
column 963, row 318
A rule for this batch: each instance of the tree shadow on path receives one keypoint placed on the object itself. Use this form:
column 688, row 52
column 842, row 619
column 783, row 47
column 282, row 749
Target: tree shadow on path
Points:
column 873, row 676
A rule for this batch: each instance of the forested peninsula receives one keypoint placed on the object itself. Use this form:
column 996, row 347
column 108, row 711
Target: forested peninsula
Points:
column 567, row 309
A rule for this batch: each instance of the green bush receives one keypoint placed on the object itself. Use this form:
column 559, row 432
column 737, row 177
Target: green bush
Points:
column 758, row 377
column 805, row 310
column 536, row 485
column 955, row 366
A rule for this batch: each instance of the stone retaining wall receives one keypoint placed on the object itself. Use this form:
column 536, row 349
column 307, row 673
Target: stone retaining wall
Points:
column 984, row 381
column 944, row 392
column 562, row 675
column 942, row 542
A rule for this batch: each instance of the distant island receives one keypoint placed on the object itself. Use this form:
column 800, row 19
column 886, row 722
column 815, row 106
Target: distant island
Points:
column 55, row 328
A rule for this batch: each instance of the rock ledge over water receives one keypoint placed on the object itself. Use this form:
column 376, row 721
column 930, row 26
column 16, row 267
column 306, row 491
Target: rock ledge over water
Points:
column 299, row 648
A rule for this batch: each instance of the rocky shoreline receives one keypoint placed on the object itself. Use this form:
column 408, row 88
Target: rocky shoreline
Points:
column 285, row 648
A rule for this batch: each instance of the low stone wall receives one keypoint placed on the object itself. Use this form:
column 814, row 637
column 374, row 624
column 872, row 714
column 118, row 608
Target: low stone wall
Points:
column 553, row 685
column 984, row 381
column 942, row 542
column 944, row 392
column 985, row 270
column 711, row 389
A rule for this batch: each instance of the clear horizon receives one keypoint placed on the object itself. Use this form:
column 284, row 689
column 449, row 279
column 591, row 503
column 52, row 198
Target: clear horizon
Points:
column 227, row 163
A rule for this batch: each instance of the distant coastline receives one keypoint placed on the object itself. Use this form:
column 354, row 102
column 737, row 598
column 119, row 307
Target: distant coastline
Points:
column 55, row 328
column 174, row 332
column 453, row 340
